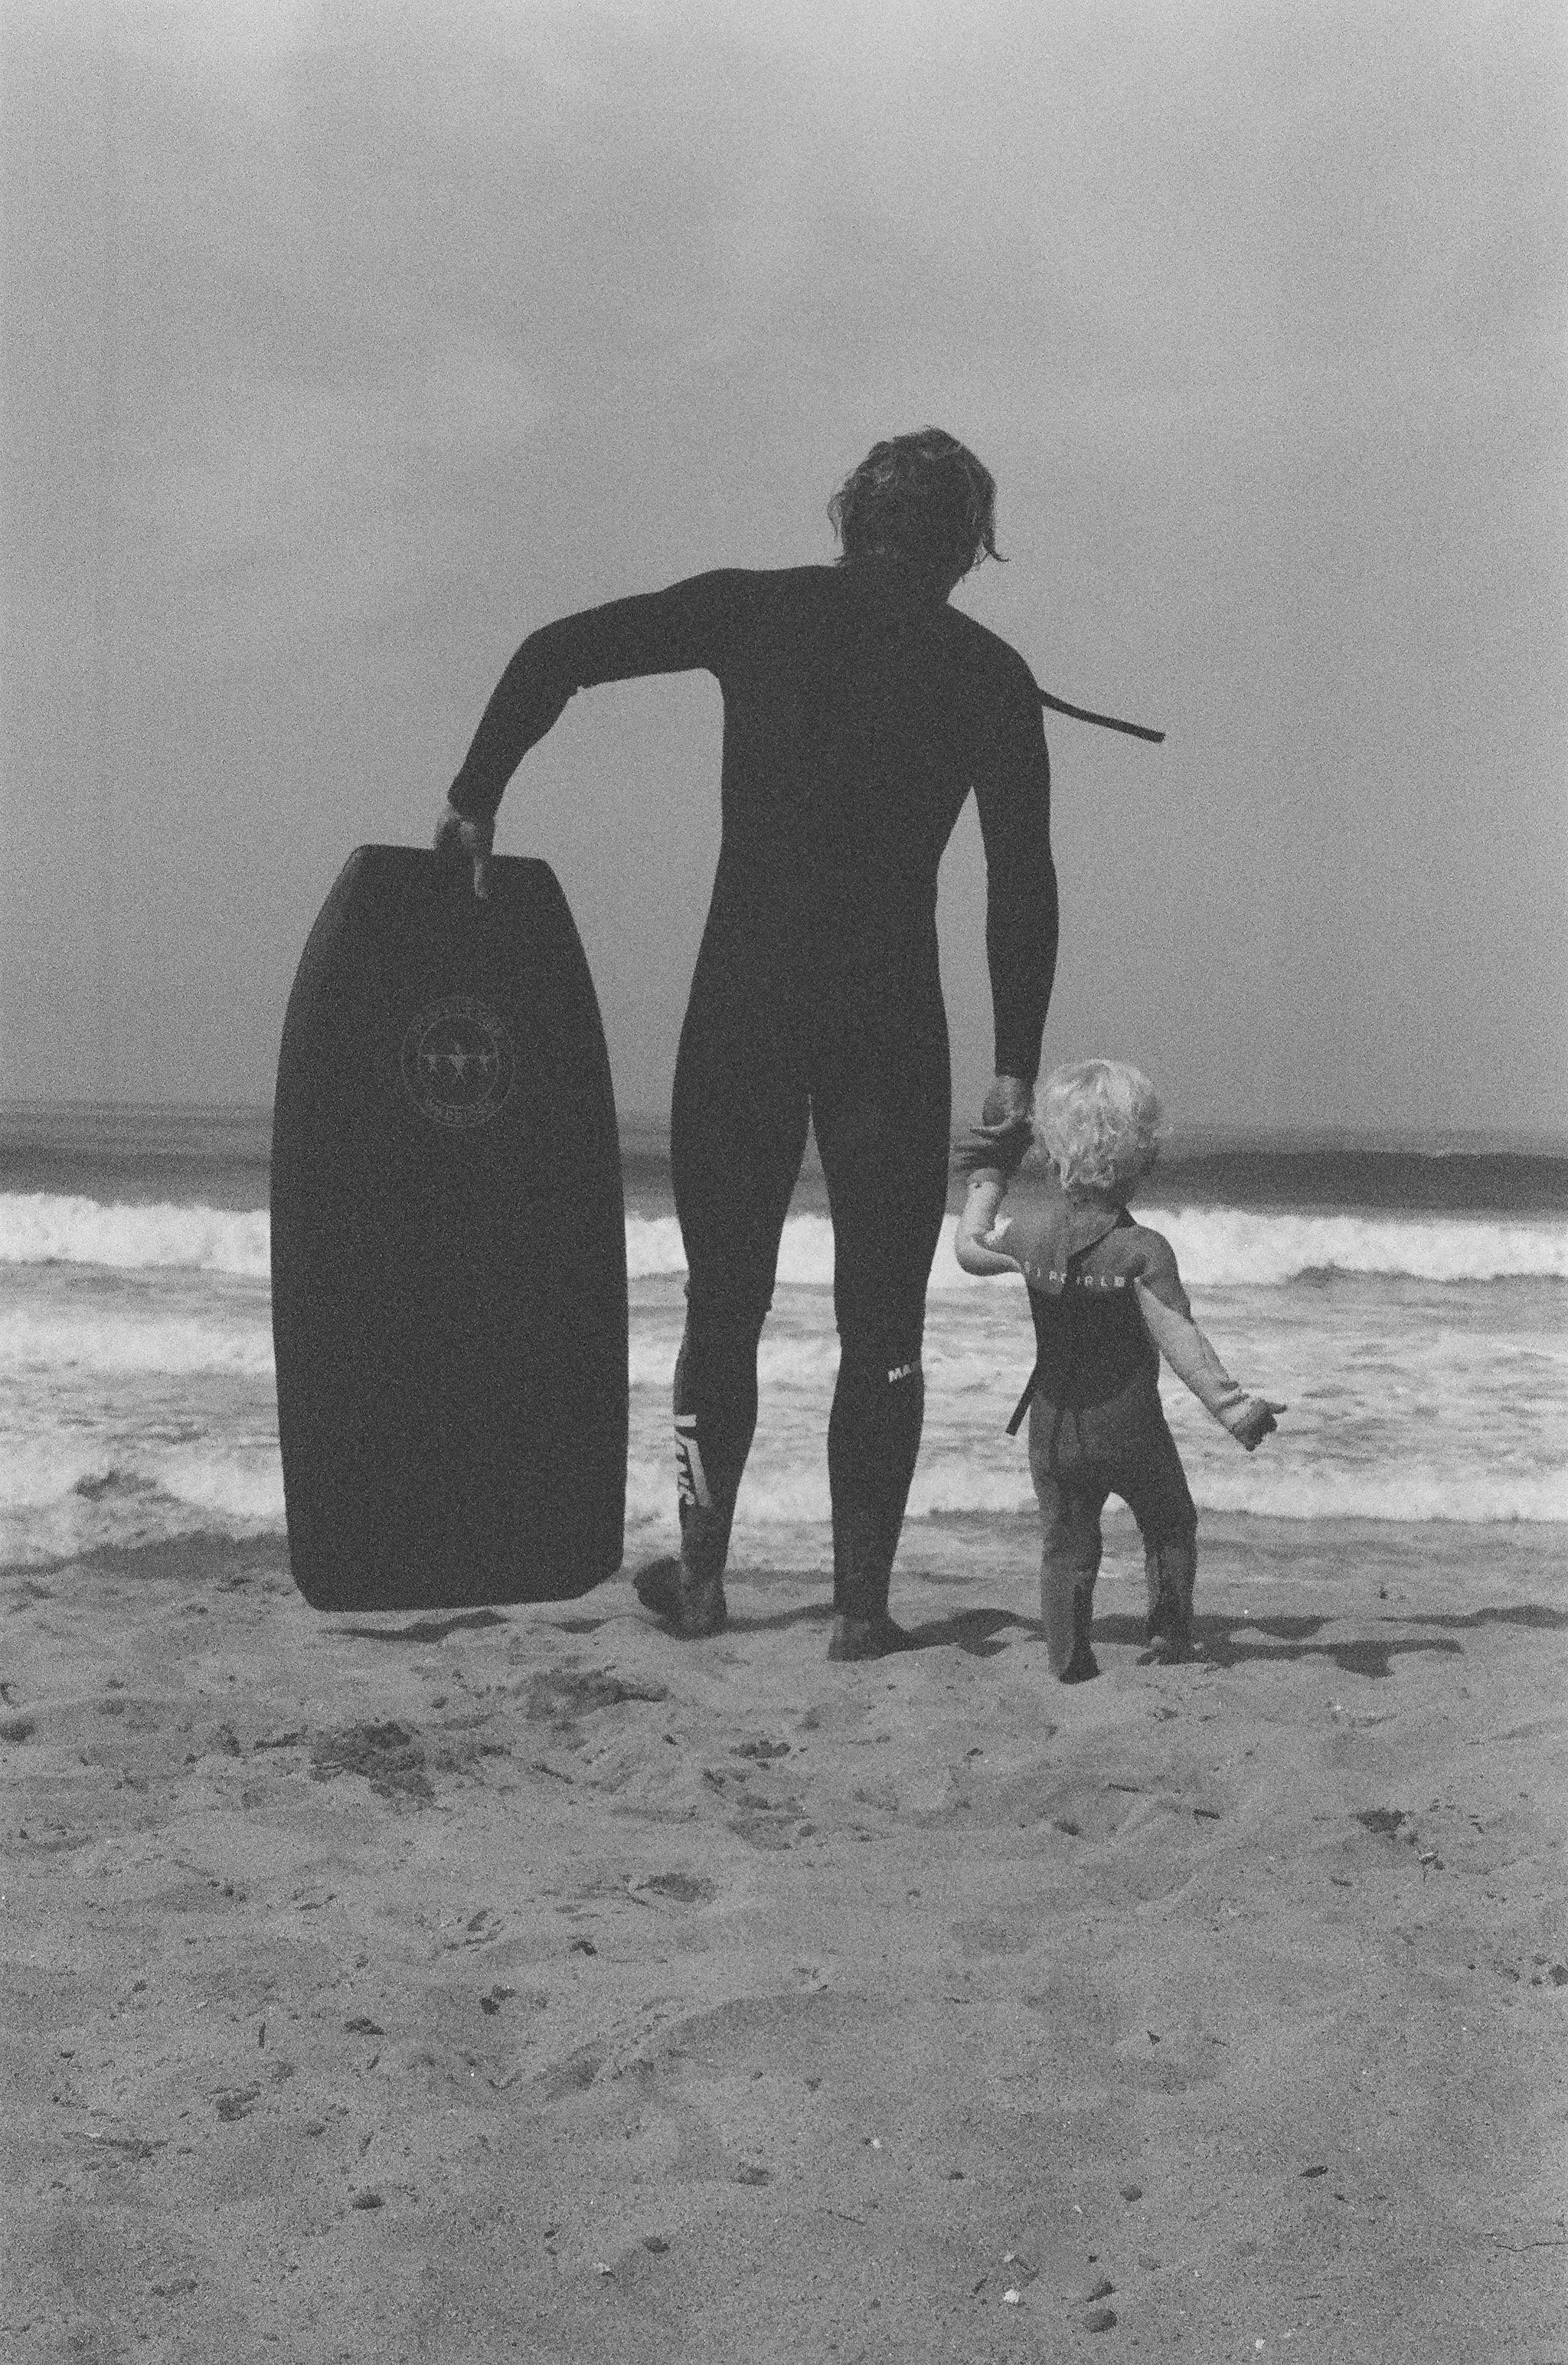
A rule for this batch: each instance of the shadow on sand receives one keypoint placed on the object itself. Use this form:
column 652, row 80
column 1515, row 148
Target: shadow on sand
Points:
column 1229, row 1641
column 425, row 1630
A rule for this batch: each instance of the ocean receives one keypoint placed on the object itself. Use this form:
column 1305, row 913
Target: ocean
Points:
column 1411, row 1309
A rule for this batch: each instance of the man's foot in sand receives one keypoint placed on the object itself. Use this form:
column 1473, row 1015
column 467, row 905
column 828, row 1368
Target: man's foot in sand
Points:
column 1082, row 1668
column 865, row 1638
column 691, row 1610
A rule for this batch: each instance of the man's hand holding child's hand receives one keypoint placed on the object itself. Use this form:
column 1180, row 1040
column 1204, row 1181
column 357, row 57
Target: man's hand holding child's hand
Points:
column 1003, row 1136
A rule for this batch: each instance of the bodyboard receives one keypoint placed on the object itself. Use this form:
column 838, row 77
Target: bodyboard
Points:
column 448, row 1246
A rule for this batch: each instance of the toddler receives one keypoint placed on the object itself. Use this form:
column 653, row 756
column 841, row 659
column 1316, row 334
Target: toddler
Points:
column 1107, row 1302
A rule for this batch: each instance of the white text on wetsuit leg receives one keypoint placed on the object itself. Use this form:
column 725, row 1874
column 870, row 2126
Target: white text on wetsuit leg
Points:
column 691, row 1483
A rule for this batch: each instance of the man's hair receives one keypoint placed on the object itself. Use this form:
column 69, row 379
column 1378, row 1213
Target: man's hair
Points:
column 923, row 498
column 1100, row 1121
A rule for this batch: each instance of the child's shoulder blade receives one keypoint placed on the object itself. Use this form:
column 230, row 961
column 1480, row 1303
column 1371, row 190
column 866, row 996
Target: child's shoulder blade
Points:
column 1148, row 1256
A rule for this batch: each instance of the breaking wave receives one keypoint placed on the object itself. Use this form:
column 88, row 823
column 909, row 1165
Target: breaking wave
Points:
column 37, row 1228
column 1216, row 1247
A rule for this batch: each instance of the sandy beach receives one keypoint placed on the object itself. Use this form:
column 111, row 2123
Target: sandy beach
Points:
column 528, row 1985
column 941, row 545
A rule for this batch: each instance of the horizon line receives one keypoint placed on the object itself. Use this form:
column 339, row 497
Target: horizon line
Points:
column 647, row 1127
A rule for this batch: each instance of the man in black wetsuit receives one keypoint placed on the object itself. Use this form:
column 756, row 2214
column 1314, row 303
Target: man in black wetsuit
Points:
column 860, row 711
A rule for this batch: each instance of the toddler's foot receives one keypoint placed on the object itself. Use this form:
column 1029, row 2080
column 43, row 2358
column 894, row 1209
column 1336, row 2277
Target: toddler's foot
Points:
column 865, row 1638
column 691, row 1608
column 1170, row 1650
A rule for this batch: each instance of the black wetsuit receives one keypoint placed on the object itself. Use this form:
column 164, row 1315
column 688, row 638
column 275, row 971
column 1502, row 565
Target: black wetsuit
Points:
column 858, row 712
column 1096, row 1425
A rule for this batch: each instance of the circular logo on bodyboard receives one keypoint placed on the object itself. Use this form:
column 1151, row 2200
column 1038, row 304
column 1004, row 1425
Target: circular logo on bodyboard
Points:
column 458, row 1061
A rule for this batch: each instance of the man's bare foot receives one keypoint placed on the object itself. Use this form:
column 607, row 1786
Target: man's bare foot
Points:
column 691, row 1608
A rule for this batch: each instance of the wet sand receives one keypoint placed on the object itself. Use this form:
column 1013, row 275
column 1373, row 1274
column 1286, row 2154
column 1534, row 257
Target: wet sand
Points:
column 528, row 1985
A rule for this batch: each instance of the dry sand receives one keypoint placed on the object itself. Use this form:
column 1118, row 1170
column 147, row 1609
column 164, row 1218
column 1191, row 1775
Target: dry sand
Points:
column 532, row 1986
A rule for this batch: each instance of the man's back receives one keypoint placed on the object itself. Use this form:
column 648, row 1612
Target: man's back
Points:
column 858, row 711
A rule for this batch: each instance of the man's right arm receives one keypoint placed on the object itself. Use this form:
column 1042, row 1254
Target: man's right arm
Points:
column 681, row 630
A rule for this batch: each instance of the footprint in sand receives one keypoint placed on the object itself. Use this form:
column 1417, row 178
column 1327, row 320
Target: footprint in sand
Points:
column 680, row 1887
column 560, row 1695
column 389, row 1756
column 802, row 2033
column 575, row 2075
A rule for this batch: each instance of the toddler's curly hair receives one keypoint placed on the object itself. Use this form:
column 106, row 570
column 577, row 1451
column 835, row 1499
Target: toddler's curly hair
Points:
column 1099, row 1122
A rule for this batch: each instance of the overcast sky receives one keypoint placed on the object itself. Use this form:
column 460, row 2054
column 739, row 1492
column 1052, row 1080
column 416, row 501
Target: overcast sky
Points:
column 346, row 343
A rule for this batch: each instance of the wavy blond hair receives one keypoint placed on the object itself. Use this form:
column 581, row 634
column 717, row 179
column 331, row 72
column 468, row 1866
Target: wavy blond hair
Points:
column 1100, row 1121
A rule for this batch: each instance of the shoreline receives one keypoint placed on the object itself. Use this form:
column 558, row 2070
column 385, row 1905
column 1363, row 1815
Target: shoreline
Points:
column 998, row 1550
column 524, row 1983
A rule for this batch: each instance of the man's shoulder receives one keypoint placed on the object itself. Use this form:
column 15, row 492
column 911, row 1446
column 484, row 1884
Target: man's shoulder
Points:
column 986, row 652
column 771, row 596
column 739, row 584
column 777, row 582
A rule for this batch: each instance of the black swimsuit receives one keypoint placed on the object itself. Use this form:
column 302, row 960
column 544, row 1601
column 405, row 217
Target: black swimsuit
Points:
column 858, row 712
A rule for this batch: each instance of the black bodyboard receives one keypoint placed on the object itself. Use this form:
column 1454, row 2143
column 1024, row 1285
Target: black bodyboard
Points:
column 448, row 1246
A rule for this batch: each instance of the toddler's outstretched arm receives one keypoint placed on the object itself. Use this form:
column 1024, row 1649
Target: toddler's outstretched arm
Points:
column 982, row 1204
column 1248, row 1418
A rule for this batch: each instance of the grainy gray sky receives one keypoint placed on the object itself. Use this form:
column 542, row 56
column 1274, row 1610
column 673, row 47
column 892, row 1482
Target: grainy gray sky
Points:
column 345, row 341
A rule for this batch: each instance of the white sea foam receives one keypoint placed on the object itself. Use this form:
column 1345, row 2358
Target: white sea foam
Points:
column 653, row 1248
column 61, row 1496
column 1402, row 1493
column 1214, row 1245
column 1216, row 1248
column 50, row 1468
column 241, row 1481
column 244, row 1487
column 949, row 1485
column 137, row 1403
column 37, row 1228
column 57, row 1504
column 121, row 1344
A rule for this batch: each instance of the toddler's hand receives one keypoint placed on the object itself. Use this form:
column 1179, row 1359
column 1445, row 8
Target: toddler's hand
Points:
column 1006, row 1103
column 1000, row 1141
column 1251, row 1421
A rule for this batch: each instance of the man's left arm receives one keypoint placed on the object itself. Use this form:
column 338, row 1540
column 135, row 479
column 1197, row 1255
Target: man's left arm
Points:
column 1012, row 792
